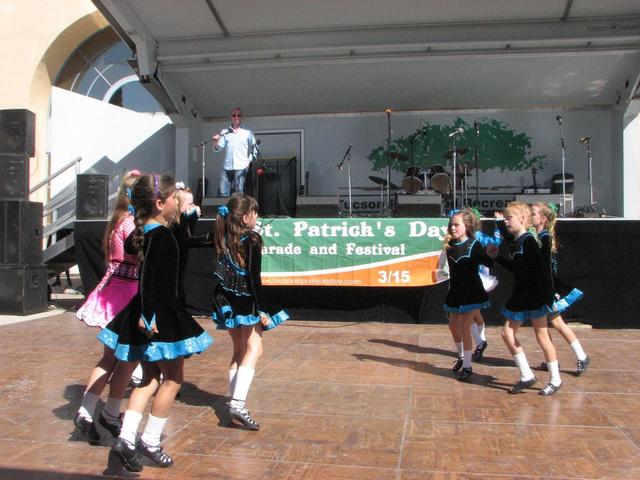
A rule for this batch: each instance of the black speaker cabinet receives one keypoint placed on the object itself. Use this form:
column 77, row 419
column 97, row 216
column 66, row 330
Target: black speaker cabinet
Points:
column 14, row 177
column 92, row 197
column 21, row 232
column 17, row 132
column 23, row 289
column 277, row 187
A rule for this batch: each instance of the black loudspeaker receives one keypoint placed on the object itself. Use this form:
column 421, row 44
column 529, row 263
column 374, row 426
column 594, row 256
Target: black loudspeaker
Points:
column 23, row 289
column 21, row 232
column 17, row 132
column 92, row 197
column 277, row 187
column 14, row 177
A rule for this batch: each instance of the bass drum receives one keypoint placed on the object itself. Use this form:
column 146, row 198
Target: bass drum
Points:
column 438, row 179
column 412, row 181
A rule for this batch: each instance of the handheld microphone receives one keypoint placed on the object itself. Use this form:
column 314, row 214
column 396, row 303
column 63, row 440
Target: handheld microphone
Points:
column 388, row 111
column 346, row 154
column 584, row 139
column 457, row 131
column 559, row 119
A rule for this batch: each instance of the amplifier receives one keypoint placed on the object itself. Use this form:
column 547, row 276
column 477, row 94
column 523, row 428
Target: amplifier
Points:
column 20, row 232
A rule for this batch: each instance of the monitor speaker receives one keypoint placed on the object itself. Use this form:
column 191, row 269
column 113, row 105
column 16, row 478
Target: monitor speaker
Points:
column 277, row 187
column 14, row 177
column 23, row 289
column 21, row 232
column 17, row 132
column 92, row 197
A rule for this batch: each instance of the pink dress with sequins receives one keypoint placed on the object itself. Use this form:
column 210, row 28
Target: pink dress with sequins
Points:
column 119, row 284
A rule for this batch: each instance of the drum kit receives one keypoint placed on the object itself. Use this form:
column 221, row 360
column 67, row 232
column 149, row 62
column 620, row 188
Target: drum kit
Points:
column 435, row 179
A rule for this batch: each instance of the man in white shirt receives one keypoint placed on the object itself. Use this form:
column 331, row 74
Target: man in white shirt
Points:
column 238, row 144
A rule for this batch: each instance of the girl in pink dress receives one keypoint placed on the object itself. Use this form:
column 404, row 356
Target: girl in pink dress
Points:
column 116, row 289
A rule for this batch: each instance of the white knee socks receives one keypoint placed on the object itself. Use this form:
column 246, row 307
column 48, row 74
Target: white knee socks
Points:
column 153, row 431
column 88, row 406
column 130, row 424
column 244, row 377
column 525, row 371
column 577, row 349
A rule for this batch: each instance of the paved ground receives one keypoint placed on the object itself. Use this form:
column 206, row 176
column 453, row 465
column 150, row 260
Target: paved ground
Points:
column 338, row 401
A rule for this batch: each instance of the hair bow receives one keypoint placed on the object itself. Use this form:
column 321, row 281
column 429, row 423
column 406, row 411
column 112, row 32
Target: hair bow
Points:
column 451, row 213
column 223, row 211
column 476, row 212
column 135, row 173
column 180, row 186
column 553, row 207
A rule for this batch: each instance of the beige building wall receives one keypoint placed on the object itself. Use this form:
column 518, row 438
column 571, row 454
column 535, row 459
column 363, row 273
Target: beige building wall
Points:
column 36, row 38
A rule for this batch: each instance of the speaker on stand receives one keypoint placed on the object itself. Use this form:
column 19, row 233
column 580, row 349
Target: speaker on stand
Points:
column 92, row 197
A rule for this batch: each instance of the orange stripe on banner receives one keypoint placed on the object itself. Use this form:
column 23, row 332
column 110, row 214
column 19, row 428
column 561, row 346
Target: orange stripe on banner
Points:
column 411, row 273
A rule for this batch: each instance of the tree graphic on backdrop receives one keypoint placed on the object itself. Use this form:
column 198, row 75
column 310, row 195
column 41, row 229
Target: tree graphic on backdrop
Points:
column 498, row 147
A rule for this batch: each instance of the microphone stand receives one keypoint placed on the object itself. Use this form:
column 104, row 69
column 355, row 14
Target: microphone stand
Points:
column 454, row 157
column 389, row 160
column 257, row 155
column 204, row 188
column 477, row 164
column 347, row 159
column 564, row 200
column 588, row 142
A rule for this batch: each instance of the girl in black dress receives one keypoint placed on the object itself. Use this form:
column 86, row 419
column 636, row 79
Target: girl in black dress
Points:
column 531, row 298
column 543, row 217
column 155, row 327
column 237, row 298
column 466, row 293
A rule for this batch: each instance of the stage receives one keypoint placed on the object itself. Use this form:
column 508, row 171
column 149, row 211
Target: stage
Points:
column 338, row 401
column 594, row 256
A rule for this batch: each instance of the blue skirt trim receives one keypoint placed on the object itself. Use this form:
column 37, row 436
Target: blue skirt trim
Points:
column 523, row 315
column 466, row 308
column 564, row 303
column 234, row 321
column 154, row 351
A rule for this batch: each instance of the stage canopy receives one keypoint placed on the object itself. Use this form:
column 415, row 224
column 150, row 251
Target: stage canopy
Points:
column 199, row 57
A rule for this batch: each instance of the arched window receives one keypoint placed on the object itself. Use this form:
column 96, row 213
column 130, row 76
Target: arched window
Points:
column 99, row 69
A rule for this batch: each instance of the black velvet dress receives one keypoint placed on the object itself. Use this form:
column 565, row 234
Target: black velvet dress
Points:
column 466, row 292
column 157, row 300
column 565, row 294
column 239, row 290
column 532, row 295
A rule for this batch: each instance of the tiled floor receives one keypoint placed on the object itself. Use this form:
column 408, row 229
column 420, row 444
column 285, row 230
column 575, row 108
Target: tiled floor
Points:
column 338, row 401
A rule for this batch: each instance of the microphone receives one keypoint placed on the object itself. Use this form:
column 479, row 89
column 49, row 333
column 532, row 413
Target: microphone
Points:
column 584, row 139
column 457, row 131
column 477, row 125
column 346, row 154
column 388, row 111
column 559, row 119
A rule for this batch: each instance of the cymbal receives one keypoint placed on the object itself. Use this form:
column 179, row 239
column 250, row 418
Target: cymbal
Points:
column 459, row 151
column 383, row 182
column 397, row 156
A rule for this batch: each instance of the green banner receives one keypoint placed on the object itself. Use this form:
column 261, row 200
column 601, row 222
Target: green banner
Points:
column 367, row 252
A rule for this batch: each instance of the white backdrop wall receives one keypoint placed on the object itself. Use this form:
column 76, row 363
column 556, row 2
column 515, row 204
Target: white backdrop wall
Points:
column 327, row 137
column 108, row 138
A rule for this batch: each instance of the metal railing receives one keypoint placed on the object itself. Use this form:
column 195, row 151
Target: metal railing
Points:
column 53, row 205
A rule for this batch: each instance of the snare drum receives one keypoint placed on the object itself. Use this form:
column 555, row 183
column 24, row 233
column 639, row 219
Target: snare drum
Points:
column 412, row 181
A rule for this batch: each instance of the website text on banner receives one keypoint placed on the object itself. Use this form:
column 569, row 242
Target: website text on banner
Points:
column 354, row 252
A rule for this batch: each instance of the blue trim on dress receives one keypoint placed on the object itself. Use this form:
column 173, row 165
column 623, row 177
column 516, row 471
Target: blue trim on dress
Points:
column 468, row 254
column 523, row 315
column 150, row 226
column 466, row 308
column 230, row 321
column 565, row 302
column 155, row 351
column 486, row 239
